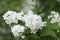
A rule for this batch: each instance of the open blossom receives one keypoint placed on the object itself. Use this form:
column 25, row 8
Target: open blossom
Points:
column 23, row 36
column 17, row 29
column 20, row 15
column 34, row 22
column 12, row 17
column 55, row 17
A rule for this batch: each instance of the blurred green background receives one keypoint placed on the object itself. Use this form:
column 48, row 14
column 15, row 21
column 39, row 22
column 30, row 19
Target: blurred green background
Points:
column 41, row 7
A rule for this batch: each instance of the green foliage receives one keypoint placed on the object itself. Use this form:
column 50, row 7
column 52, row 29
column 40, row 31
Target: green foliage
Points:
column 48, row 32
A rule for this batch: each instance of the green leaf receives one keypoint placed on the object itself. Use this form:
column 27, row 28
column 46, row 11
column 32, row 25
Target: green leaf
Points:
column 51, row 3
column 54, row 26
column 57, row 8
column 48, row 32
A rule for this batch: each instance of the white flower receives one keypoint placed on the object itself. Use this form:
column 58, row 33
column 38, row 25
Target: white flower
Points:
column 17, row 29
column 50, row 16
column 34, row 22
column 23, row 36
column 53, row 12
column 55, row 17
column 20, row 15
column 12, row 17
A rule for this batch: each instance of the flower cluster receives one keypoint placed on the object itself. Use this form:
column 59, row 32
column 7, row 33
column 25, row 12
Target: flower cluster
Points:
column 12, row 17
column 16, row 29
column 55, row 17
column 32, row 21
